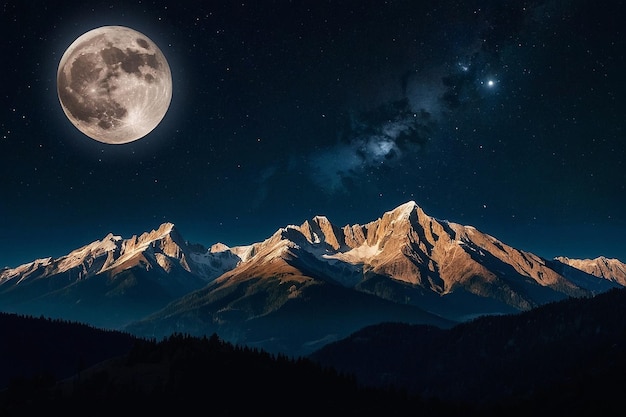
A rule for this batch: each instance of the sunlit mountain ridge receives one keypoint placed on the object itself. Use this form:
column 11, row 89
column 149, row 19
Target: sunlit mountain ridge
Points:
column 302, row 287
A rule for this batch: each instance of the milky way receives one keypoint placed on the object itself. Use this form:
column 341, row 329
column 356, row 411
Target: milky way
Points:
column 395, row 131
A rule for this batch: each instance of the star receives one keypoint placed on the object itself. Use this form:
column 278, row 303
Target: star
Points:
column 279, row 125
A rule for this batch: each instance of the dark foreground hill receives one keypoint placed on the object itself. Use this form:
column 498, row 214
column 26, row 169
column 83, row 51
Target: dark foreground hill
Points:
column 184, row 374
column 566, row 358
column 568, row 355
column 33, row 347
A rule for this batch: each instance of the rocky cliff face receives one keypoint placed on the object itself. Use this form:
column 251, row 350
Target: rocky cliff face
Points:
column 410, row 249
column 162, row 249
column 108, row 282
column 601, row 267
column 404, row 266
column 293, row 279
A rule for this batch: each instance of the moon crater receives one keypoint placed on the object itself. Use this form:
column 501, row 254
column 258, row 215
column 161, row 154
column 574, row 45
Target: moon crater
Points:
column 114, row 84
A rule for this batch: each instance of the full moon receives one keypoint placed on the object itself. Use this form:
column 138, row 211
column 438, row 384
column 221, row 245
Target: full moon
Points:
column 114, row 84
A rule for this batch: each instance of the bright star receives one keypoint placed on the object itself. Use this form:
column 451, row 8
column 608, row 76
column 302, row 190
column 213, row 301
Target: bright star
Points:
column 490, row 83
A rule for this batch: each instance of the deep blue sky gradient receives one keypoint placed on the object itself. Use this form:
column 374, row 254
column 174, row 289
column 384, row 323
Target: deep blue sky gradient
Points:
column 346, row 109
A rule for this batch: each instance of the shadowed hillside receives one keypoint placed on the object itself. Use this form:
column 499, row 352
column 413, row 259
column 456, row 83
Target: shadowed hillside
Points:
column 54, row 348
column 183, row 373
column 563, row 358
column 571, row 352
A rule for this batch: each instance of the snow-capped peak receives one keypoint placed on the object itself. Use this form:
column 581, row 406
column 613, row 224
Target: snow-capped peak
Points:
column 404, row 210
column 321, row 219
column 218, row 247
column 163, row 230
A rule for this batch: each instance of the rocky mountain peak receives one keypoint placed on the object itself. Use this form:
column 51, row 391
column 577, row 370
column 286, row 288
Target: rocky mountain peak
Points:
column 404, row 257
column 166, row 239
column 218, row 247
column 320, row 229
column 405, row 210
column 406, row 224
column 163, row 247
column 601, row 267
column 165, row 230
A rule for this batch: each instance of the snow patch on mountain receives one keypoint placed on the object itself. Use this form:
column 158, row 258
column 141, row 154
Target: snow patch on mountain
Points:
column 22, row 272
column 356, row 255
column 405, row 210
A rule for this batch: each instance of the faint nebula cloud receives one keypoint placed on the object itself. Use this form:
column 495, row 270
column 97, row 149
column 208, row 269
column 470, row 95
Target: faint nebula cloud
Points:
column 375, row 138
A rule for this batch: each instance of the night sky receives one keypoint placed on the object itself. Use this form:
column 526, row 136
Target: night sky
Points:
column 505, row 115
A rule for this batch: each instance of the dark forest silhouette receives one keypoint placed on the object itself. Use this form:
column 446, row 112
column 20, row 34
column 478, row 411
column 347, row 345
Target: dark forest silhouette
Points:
column 566, row 357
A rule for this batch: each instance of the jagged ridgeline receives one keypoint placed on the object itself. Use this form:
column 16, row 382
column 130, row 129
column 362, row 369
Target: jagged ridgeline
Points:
column 304, row 286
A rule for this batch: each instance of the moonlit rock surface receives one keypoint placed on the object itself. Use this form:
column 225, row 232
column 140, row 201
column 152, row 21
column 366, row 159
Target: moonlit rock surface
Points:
column 405, row 259
column 601, row 267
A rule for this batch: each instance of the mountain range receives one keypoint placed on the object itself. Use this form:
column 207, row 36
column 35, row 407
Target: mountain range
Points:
column 303, row 287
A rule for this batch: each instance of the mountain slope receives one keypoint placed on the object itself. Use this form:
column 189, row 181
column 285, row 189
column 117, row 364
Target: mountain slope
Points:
column 301, row 287
column 601, row 267
column 181, row 375
column 439, row 272
column 109, row 282
column 278, row 316
column 451, row 260
column 37, row 347
column 492, row 359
